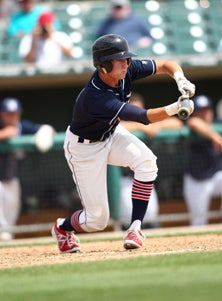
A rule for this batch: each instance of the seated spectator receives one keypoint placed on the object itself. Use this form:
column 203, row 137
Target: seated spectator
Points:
column 45, row 47
column 12, row 125
column 203, row 178
column 7, row 8
column 123, row 22
column 24, row 20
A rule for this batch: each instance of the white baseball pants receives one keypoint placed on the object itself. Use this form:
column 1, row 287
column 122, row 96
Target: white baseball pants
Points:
column 198, row 195
column 10, row 202
column 88, row 164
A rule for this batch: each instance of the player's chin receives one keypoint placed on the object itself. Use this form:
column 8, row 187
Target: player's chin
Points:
column 122, row 75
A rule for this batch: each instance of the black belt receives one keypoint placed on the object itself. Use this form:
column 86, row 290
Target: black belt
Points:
column 83, row 140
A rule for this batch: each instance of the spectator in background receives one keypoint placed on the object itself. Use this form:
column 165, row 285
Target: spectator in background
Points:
column 7, row 8
column 151, row 217
column 123, row 22
column 45, row 47
column 24, row 20
column 12, row 125
column 203, row 178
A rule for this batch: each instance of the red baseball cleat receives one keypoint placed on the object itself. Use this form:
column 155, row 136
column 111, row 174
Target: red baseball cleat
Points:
column 134, row 239
column 67, row 241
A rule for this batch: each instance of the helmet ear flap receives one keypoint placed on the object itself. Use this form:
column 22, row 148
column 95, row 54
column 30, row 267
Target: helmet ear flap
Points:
column 129, row 60
column 106, row 67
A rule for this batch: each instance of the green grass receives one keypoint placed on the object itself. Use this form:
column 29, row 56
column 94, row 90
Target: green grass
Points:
column 179, row 277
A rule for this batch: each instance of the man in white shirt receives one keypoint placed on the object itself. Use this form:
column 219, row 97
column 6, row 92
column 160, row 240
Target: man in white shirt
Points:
column 45, row 47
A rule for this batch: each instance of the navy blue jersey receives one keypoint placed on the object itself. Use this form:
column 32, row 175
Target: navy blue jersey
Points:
column 98, row 107
column 9, row 162
column 203, row 160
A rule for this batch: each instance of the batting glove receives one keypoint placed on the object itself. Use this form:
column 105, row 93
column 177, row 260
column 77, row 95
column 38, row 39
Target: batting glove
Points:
column 184, row 85
column 173, row 108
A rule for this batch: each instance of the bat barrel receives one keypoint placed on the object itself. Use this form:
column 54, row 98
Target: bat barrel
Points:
column 184, row 110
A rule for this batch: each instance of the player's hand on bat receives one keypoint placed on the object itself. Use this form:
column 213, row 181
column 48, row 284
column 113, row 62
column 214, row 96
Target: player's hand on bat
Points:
column 184, row 85
column 188, row 102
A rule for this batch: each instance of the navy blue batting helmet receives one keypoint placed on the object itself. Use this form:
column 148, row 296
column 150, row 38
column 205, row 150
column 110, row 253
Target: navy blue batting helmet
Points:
column 107, row 48
column 10, row 104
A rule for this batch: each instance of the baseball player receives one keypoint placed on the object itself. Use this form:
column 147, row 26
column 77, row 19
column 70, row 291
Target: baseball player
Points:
column 203, row 177
column 95, row 139
column 11, row 125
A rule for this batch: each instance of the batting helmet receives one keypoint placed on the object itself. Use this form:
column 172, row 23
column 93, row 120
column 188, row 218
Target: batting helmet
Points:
column 107, row 48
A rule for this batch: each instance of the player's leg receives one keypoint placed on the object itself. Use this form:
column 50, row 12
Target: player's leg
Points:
column 90, row 176
column 88, row 164
column 127, row 150
column 197, row 195
column 217, row 184
column 13, row 203
column 217, row 187
column 10, row 203
column 151, row 217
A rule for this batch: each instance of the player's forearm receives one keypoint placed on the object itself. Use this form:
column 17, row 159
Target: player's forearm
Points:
column 168, row 67
column 202, row 128
column 157, row 114
column 8, row 132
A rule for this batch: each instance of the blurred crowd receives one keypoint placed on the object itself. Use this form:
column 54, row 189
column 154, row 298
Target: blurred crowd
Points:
column 23, row 21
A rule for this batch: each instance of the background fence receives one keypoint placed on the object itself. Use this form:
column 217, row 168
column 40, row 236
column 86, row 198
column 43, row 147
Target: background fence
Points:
column 48, row 189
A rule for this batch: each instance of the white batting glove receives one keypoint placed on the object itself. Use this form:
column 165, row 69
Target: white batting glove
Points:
column 173, row 108
column 184, row 85
column 43, row 139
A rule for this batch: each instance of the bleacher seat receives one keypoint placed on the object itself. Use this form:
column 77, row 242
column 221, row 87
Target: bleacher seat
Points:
column 178, row 27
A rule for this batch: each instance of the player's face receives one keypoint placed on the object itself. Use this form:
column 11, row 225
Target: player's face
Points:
column 205, row 114
column 119, row 68
column 10, row 118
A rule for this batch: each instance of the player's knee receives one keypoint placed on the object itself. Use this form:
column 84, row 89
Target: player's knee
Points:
column 98, row 222
column 147, row 169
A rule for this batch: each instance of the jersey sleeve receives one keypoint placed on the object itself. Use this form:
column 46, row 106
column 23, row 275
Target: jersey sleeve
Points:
column 141, row 68
column 29, row 127
column 134, row 113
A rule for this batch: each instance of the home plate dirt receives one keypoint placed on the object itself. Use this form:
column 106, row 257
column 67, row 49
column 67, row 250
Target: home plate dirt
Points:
column 33, row 252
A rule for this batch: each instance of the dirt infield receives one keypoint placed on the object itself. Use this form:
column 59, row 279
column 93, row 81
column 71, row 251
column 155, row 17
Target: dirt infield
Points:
column 29, row 253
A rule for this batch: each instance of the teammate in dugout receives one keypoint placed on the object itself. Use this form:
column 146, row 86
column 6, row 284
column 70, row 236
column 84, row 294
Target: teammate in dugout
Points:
column 95, row 139
column 12, row 125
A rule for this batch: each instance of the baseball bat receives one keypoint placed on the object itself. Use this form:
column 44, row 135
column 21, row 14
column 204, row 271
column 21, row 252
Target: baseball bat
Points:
column 184, row 110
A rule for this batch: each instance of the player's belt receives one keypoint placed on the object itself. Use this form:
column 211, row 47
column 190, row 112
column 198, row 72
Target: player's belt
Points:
column 83, row 140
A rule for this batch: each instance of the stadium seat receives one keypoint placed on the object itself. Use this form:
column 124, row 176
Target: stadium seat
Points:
column 178, row 27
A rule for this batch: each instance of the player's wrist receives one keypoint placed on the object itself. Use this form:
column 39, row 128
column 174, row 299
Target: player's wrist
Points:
column 178, row 75
column 172, row 109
